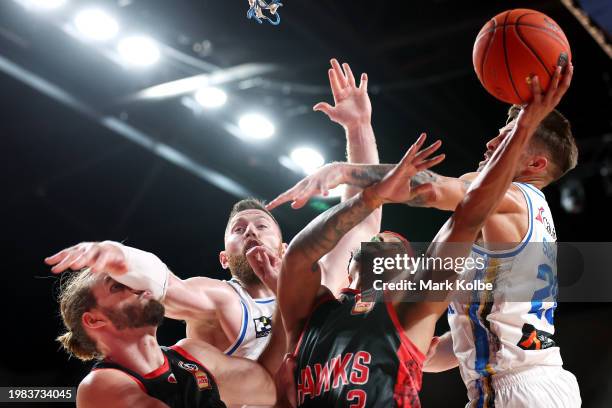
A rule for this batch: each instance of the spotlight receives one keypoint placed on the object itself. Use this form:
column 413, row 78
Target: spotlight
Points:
column 96, row 25
column 572, row 196
column 138, row 51
column 307, row 159
column 43, row 4
column 210, row 97
column 256, row 126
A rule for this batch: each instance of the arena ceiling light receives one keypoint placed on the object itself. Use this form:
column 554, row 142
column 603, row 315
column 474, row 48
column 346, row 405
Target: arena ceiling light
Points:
column 211, row 97
column 307, row 159
column 256, row 126
column 42, row 4
column 95, row 24
column 138, row 51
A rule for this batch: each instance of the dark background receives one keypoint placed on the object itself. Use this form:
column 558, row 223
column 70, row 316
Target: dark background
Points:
column 66, row 177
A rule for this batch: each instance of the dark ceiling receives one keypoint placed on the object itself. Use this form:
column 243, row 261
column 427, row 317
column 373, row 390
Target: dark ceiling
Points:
column 85, row 158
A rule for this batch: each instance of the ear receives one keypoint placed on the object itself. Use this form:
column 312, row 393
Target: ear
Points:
column 537, row 164
column 223, row 259
column 93, row 320
column 284, row 247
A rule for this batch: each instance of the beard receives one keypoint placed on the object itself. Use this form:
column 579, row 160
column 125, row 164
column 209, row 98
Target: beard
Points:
column 136, row 316
column 241, row 270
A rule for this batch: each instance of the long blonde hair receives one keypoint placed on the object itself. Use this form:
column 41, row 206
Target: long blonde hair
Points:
column 76, row 298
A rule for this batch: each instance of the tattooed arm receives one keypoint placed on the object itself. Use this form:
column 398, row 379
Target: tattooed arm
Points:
column 446, row 193
column 300, row 278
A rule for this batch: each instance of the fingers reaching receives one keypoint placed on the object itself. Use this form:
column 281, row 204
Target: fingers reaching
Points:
column 342, row 80
column 349, row 75
column 324, row 107
column 70, row 256
column 412, row 151
column 288, row 195
column 565, row 83
column 426, row 164
column 536, row 90
column 423, row 154
column 335, row 84
column 363, row 85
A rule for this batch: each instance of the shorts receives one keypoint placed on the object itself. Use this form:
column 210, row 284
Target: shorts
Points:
column 535, row 387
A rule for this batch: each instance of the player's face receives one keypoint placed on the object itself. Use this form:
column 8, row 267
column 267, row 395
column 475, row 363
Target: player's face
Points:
column 251, row 228
column 125, row 307
column 494, row 143
column 246, row 230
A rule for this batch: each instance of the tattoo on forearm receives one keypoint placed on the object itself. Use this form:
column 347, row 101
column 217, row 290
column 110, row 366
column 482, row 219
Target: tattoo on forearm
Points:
column 367, row 175
column 324, row 232
column 423, row 177
column 418, row 179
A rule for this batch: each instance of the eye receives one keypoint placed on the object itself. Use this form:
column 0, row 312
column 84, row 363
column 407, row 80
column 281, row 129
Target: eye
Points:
column 116, row 287
column 238, row 230
column 262, row 226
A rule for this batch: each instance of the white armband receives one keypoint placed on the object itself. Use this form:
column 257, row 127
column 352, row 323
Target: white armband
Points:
column 145, row 271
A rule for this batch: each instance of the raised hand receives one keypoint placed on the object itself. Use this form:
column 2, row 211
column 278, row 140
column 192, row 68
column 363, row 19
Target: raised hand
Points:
column 318, row 183
column 395, row 187
column 351, row 102
column 265, row 264
column 543, row 103
column 99, row 256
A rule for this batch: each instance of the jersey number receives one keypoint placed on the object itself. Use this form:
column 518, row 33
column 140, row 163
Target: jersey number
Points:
column 545, row 273
column 359, row 396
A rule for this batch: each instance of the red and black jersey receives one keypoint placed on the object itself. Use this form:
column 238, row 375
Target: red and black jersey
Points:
column 354, row 353
column 181, row 382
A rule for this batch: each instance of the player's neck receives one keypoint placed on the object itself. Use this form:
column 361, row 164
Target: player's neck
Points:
column 258, row 290
column 537, row 181
column 141, row 353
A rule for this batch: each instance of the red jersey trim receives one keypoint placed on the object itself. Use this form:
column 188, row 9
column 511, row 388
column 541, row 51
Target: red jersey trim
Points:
column 323, row 299
column 406, row 342
column 140, row 384
column 159, row 370
column 188, row 356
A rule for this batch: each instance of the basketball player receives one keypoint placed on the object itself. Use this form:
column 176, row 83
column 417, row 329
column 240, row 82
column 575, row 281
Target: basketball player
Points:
column 107, row 321
column 235, row 315
column 505, row 351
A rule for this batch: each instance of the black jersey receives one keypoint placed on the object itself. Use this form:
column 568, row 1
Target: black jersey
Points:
column 181, row 382
column 354, row 353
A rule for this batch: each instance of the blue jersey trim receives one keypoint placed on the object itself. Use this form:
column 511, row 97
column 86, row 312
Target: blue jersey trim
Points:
column 243, row 329
column 502, row 254
column 264, row 301
column 534, row 189
column 481, row 339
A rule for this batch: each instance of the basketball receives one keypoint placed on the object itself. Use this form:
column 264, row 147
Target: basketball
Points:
column 514, row 46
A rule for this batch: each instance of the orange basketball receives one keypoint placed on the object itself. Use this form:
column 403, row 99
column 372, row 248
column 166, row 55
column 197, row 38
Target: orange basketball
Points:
column 515, row 45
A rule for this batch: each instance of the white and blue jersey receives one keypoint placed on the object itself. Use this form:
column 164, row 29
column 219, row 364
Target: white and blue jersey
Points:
column 256, row 324
column 493, row 336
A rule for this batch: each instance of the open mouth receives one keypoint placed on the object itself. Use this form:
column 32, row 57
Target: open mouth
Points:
column 251, row 244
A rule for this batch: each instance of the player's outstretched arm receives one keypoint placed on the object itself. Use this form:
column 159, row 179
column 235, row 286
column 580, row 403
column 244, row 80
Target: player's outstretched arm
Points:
column 299, row 282
column 353, row 111
column 445, row 192
column 241, row 381
column 184, row 299
column 490, row 186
